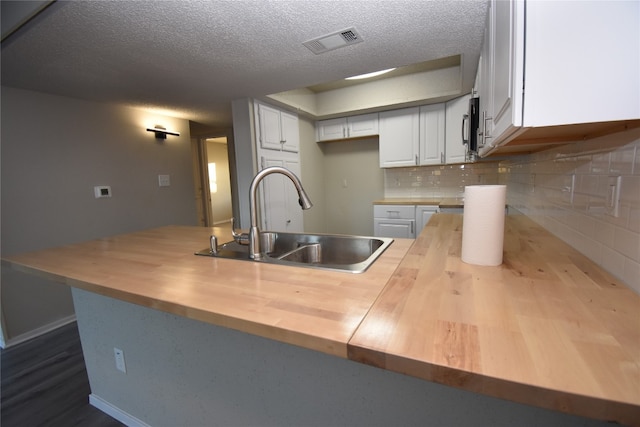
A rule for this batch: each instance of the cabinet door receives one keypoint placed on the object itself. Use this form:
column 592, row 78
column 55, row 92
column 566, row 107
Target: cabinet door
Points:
column 279, row 206
column 328, row 130
column 399, row 137
column 269, row 127
column 290, row 132
column 484, row 81
column 506, row 69
column 432, row 134
column 455, row 151
column 363, row 125
column 423, row 215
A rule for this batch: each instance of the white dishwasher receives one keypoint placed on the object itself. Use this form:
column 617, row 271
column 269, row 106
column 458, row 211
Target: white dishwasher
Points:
column 394, row 221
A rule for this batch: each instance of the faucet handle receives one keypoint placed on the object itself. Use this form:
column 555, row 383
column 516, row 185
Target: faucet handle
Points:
column 240, row 237
column 213, row 244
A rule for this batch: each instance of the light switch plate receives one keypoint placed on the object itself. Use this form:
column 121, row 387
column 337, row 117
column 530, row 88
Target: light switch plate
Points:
column 102, row 191
column 164, row 180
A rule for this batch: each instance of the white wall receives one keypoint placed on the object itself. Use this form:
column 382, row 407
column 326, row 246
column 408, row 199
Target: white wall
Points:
column 54, row 151
column 313, row 177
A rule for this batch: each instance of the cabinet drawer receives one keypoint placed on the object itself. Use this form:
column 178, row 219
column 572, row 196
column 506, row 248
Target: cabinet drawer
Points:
column 394, row 211
column 396, row 228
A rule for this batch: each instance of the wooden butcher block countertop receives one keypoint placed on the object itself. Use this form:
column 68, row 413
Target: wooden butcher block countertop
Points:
column 157, row 268
column 547, row 328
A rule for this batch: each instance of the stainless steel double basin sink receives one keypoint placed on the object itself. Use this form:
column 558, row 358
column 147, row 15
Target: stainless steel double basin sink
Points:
column 352, row 254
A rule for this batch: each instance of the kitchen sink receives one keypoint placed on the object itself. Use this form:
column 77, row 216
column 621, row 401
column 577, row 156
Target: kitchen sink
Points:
column 352, row 254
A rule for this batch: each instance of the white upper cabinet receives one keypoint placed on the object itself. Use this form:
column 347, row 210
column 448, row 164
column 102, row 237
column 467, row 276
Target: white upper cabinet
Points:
column 412, row 136
column 347, row 127
column 276, row 129
column 399, row 137
column 578, row 63
column 455, row 150
column 432, row 128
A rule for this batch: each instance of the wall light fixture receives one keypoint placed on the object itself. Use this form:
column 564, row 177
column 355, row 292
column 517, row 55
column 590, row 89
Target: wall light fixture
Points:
column 161, row 133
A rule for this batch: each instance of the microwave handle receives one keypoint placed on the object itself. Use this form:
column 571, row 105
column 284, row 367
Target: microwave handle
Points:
column 465, row 118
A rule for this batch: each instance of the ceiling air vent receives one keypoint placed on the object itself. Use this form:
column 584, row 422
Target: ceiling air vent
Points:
column 333, row 41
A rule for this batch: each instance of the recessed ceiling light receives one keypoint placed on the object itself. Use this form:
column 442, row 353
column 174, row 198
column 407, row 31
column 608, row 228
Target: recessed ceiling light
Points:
column 368, row 75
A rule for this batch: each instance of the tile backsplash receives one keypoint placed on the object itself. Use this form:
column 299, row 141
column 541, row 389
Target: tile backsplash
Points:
column 567, row 189
column 437, row 181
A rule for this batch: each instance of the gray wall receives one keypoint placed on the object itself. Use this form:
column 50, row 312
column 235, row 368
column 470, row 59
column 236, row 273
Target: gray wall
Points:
column 54, row 151
column 181, row 372
column 244, row 158
column 349, row 208
column 312, row 176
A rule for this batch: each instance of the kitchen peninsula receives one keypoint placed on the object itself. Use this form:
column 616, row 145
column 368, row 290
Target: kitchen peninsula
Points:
column 213, row 341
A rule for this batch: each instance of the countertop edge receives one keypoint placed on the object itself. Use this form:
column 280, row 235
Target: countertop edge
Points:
column 372, row 346
column 556, row 400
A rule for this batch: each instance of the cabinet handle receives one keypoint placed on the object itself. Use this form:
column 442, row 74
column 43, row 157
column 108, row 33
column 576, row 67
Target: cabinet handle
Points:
column 412, row 232
column 344, row 133
column 417, row 160
column 485, row 118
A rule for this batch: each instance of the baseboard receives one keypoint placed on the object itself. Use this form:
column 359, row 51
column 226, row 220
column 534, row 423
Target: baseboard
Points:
column 115, row 412
column 39, row 331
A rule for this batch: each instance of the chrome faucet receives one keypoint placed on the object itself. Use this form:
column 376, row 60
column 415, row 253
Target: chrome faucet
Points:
column 254, row 232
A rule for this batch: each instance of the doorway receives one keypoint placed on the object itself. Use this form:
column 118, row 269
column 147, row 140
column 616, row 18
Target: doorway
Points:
column 219, row 177
column 213, row 173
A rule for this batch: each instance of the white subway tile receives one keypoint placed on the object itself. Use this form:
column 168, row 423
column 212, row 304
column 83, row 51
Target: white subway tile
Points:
column 631, row 274
column 613, row 262
column 627, row 243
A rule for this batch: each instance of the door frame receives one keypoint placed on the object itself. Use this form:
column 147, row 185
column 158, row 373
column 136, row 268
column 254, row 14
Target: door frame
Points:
column 199, row 160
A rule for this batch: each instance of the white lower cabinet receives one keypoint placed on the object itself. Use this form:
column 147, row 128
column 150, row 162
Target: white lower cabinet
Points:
column 401, row 221
column 423, row 215
column 394, row 221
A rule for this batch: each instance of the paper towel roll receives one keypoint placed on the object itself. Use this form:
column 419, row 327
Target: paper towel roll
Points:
column 483, row 224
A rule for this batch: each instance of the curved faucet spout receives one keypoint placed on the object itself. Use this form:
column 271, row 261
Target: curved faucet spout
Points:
column 254, row 232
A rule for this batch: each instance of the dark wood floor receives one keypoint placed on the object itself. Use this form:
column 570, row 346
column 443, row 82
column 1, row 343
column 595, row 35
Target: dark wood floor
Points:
column 44, row 383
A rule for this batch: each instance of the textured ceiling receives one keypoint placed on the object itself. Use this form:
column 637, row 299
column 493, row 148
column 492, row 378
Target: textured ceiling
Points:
column 192, row 58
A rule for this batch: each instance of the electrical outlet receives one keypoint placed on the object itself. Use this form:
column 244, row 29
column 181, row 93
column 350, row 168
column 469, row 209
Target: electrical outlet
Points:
column 164, row 180
column 612, row 206
column 119, row 355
